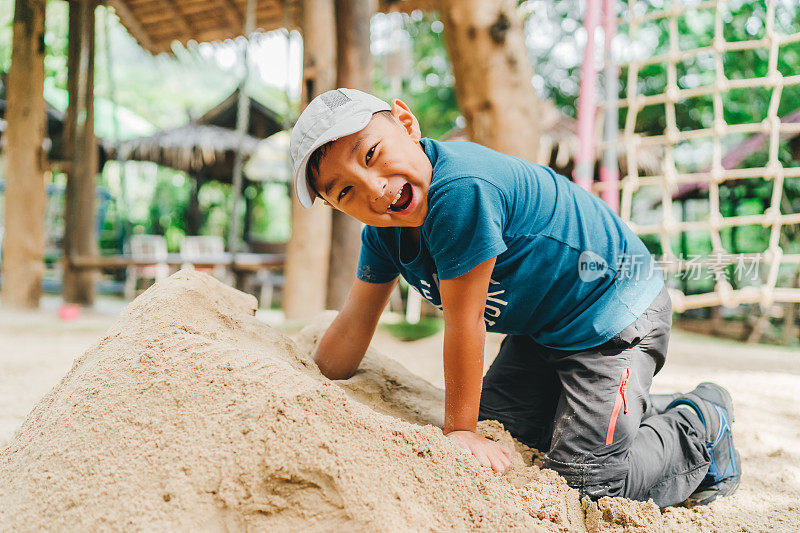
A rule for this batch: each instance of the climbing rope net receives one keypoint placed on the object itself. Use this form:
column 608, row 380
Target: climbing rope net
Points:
column 756, row 277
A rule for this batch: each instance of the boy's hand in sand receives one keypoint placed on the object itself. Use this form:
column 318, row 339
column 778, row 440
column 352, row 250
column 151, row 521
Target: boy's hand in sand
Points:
column 489, row 453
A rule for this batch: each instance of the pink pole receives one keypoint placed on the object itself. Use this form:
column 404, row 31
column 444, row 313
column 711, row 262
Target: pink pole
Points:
column 584, row 161
column 609, row 169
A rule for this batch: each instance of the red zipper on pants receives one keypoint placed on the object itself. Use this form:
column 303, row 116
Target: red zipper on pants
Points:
column 621, row 399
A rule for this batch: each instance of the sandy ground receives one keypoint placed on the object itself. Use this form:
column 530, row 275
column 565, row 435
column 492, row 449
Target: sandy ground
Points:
column 37, row 349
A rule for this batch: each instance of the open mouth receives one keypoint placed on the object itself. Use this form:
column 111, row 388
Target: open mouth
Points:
column 403, row 201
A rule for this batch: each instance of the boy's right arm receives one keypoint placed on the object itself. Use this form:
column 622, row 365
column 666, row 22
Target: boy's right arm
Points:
column 345, row 342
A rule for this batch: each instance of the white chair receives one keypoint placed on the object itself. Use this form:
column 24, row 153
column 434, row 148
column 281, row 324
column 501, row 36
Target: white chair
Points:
column 197, row 249
column 152, row 251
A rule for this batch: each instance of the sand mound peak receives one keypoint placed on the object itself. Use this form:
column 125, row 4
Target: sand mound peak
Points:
column 191, row 414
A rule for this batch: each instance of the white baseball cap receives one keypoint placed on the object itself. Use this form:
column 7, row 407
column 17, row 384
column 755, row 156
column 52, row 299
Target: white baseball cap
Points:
column 329, row 116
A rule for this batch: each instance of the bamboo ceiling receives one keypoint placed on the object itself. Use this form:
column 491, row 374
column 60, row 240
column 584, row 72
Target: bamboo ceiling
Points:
column 156, row 23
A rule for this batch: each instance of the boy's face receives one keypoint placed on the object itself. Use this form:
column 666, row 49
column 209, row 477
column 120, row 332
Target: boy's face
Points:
column 362, row 174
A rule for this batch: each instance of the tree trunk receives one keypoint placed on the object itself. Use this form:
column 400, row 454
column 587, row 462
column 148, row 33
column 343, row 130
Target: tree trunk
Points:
column 486, row 43
column 354, row 70
column 308, row 252
column 81, row 148
column 23, row 249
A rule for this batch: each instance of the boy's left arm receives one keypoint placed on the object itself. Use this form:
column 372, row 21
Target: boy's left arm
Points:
column 463, row 304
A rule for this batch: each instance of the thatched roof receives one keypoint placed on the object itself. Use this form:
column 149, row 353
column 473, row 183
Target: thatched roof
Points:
column 206, row 147
column 263, row 122
column 205, row 152
column 559, row 143
column 156, row 23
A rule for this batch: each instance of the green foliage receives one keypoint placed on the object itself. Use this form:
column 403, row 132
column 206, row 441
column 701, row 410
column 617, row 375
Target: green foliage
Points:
column 168, row 205
column 427, row 86
column 742, row 21
column 271, row 213
column 6, row 32
column 552, row 34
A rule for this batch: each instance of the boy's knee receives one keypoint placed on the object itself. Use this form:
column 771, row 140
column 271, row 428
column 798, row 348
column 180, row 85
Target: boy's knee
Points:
column 591, row 476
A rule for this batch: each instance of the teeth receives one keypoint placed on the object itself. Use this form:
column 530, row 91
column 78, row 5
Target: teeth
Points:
column 397, row 197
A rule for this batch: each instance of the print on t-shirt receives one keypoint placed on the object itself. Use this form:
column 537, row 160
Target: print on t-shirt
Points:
column 495, row 305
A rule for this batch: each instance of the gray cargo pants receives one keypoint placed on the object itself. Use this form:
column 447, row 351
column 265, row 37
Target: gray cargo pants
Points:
column 591, row 411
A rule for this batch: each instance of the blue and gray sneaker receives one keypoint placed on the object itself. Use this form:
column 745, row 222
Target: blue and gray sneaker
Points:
column 715, row 407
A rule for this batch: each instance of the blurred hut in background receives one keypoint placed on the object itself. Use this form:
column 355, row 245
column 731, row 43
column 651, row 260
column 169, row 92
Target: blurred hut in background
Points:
column 206, row 148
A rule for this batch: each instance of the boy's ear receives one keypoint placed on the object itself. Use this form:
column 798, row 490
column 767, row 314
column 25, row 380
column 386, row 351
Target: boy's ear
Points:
column 403, row 114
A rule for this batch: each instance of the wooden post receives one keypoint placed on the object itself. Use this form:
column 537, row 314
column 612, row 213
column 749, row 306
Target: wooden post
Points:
column 307, row 254
column 23, row 248
column 247, row 225
column 242, row 122
column 354, row 70
column 194, row 219
column 493, row 74
column 81, row 148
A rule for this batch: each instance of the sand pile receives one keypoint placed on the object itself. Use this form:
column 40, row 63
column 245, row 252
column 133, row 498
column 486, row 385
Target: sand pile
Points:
column 191, row 414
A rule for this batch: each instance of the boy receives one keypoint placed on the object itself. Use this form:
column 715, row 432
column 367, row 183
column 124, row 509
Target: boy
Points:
column 503, row 245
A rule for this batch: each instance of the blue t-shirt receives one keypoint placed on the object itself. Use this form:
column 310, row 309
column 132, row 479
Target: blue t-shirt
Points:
column 569, row 272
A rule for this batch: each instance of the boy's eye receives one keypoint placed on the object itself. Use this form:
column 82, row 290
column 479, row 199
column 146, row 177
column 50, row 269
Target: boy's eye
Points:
column 343, row 192
column 370, row 153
